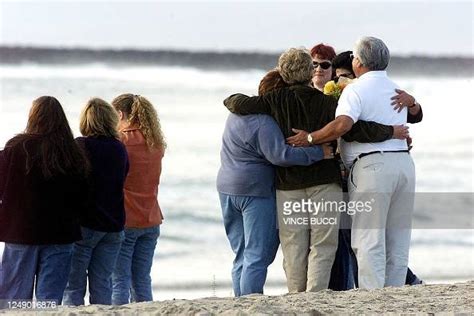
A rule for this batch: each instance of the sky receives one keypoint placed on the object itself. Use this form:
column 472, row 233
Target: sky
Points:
column 435, row 28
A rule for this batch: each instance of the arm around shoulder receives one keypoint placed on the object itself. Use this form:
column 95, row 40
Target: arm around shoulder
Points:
column 243, row 104
column 368, row 132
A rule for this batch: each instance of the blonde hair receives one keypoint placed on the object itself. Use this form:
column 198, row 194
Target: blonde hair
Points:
column 296, row 66
column 99, row 119
column 140, row 112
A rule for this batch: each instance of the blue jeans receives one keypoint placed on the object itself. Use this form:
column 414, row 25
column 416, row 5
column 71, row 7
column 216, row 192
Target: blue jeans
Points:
column 345, row 263
column 131, row 279
column 93, row 258
column 21, row 264
column 251, row 227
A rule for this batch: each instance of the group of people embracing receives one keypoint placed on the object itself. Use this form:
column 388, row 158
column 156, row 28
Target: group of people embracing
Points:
column 85, row 210
column 81, row 211
column 292, row 144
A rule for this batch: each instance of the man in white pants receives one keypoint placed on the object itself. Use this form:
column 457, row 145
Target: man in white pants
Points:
column 382, row 174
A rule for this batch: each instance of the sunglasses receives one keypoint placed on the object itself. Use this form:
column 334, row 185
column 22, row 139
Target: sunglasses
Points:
column 348, row 75
column 325, row 64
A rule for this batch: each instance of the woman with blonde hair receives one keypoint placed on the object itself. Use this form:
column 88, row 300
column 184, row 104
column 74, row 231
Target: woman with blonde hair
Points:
column 103, row 219
column 141, row 133
column 42, row 192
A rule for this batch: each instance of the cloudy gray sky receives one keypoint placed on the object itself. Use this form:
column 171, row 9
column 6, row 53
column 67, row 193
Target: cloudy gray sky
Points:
column 408, row 27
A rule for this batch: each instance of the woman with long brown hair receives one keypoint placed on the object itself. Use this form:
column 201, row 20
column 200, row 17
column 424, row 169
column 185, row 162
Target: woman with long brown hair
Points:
column 140, row 131
column 42, row 191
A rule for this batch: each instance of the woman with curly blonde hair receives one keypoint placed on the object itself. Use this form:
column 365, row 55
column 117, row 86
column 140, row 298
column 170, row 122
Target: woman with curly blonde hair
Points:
column 140, row 131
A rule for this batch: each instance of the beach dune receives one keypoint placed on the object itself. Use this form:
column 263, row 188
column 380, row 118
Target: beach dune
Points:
column 457, row 299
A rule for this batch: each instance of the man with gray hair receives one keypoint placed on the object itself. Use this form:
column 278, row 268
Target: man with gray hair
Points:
column 382, row 173
column 308, row 250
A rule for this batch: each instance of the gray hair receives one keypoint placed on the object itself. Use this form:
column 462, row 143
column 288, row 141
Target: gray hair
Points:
column 296, row 66
column 372, row 53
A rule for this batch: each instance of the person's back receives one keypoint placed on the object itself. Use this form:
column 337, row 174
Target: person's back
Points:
column 251, row 146
column 250, row 154
column 307, row 109
column 103, row 219
column 308, row 250
column 244, row 169
column 383, row 174
column 35, row 209
column 109, row 165
column 141, row 185
column 372, row 92
column 140, row 131
column 42, row 192
column 300, row 107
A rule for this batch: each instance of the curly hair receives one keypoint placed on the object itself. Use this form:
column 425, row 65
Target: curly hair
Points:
column 271, row 81
column 296, row 66
column 140, row 112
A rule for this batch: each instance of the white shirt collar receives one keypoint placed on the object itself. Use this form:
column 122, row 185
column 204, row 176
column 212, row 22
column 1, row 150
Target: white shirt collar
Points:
column 374, row 74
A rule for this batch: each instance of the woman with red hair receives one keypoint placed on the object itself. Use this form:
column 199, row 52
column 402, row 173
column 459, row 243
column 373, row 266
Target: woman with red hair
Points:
column 322, row 61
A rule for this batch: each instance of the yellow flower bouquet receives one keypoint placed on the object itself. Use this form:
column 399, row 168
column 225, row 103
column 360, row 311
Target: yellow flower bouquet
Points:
column 334, row 89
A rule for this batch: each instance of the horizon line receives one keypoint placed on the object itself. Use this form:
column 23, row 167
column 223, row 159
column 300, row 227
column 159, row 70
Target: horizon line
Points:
column 203, row 51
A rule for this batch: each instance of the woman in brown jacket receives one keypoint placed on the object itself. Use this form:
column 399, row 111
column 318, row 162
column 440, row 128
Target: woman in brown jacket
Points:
column 141, row 133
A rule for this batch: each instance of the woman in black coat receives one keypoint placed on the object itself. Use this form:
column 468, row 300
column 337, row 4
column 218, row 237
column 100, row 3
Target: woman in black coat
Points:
column 43, row 188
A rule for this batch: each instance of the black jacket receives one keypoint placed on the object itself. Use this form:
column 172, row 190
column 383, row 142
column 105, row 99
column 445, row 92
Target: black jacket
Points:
column 109, row 167
column 35, row 210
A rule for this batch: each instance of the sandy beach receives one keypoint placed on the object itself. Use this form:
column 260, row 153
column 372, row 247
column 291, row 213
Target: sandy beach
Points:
column 452, row 299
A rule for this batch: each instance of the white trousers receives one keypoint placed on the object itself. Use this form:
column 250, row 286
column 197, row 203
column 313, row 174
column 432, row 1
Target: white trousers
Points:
column 381, row 238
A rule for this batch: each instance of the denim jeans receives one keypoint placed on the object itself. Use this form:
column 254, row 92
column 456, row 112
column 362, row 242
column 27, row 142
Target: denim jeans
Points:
column 251, row 227
column 131, row 279
column 344, row 269
column 93, row 259
column 21, row 264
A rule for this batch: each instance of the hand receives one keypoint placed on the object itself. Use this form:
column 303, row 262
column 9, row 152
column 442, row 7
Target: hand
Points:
column 401, row 100
column 400, row 132
column 328, row 151
column 300, row 139
column 409, row 142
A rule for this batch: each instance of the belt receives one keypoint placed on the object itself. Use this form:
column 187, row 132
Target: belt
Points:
column 379, row 152
column 371, row 153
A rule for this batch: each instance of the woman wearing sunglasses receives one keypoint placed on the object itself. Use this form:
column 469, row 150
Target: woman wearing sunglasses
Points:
column 322, row 62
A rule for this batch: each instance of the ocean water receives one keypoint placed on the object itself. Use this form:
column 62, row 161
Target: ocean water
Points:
column 193, row 257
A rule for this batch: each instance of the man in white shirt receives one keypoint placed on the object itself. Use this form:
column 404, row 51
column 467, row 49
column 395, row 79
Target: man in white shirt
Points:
column 382, row 174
